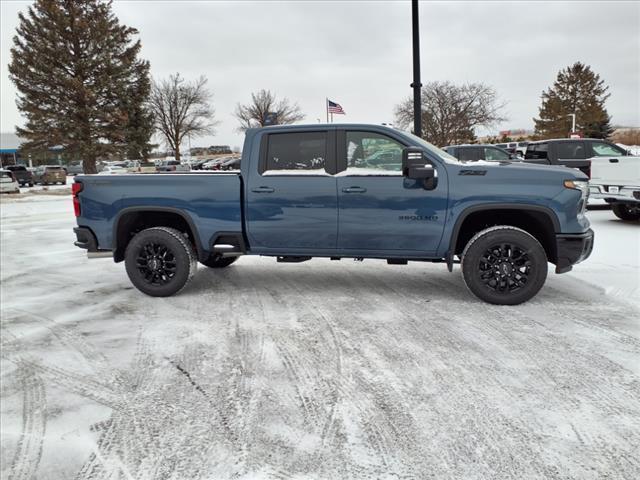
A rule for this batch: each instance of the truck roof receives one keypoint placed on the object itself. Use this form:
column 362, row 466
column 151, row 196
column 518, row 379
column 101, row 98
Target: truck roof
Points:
column 322, row 126
column 569, row 140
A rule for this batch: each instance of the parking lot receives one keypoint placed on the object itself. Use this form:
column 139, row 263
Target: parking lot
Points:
column 318, row 370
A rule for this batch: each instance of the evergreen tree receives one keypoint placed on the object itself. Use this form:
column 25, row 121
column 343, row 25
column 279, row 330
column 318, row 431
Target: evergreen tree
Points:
column 578, row 90
column 79, row 78
column 140, row 124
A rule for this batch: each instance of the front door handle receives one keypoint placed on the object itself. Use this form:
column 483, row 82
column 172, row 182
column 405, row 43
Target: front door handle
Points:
column 354, row 190
column 613, row 160
column 263, row 190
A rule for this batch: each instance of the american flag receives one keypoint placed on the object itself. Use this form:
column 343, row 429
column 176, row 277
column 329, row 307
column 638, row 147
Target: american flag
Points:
column 334, row 107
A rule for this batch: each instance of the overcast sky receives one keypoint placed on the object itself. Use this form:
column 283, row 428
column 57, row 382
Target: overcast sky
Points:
column 359, row 53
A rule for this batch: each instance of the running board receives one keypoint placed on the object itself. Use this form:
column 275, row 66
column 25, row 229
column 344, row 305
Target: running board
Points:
column 105, row 254
column 290, row 259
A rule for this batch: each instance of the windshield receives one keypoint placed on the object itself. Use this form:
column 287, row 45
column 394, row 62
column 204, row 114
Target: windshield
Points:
column 433, row 149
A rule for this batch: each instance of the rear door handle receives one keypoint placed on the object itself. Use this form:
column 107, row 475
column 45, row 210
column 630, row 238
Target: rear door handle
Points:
column 354, row 190
column 613, row 160
column 263, row 190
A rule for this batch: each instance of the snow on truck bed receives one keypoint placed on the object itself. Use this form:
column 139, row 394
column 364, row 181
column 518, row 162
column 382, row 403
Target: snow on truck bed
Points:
column 315, row 370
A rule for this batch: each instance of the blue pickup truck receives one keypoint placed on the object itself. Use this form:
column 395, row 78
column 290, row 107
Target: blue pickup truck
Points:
column 342, row 191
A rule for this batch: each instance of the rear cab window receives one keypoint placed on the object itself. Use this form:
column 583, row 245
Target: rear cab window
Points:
column 571, row 150
column 298, row 153
column 467, row 154
column 538, row 151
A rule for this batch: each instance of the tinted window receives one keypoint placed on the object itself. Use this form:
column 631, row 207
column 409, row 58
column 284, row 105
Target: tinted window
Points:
column 373, row 151
column 467, row 154
column 602, row 149
column 495, row 154
column 571, row 150
column 297, row 151
column 538, row 150
column 17, row 168
column 49, row 169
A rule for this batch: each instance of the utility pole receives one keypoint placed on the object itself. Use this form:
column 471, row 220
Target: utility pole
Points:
column 416, row 85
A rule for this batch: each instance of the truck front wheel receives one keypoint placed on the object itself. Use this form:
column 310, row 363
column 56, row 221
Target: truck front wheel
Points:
column 160, row 261
column 504, row 265
column 218, row 261
column 628, row 212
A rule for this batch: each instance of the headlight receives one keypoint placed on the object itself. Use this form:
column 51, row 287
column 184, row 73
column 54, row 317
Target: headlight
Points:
column 581, row 185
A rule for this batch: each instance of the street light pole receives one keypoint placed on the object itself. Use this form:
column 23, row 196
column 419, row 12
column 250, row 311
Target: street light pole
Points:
column 573, row 122
column 416, row 85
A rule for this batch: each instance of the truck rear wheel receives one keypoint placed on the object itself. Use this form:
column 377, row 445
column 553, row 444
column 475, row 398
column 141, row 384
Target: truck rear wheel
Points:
column 218, row 261
column 504, row 265
column 628, row 212
column 160, row 261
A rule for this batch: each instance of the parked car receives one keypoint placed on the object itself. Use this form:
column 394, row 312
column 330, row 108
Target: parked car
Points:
column 21, row 174
column 231, row 164
column 50, row 174
column 171, row 166
column 521, row 149
column 300, row 194
column 74, row 169
column 473, row 153
column 8, row 182
column 198, row 164
column 113, row 170
column 215, row 163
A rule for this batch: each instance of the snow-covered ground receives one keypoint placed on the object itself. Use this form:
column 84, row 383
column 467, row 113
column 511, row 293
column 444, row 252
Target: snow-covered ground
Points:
column 316, row 370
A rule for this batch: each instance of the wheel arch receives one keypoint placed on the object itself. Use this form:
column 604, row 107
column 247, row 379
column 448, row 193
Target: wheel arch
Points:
column 130, row 220
column 539, row 221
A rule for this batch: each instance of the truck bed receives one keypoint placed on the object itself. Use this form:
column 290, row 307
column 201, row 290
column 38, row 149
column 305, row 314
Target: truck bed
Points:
column 210, row 200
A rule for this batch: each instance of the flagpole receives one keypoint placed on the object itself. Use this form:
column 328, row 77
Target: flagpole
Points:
column 326, row 107
column 331, row 117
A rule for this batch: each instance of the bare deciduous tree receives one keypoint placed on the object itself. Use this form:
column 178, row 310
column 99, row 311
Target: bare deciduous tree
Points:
column 450, row 113
column 264, row 109
column 182, row 109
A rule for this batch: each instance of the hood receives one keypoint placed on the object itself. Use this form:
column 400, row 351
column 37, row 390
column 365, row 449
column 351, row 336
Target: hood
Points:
column 531, row 168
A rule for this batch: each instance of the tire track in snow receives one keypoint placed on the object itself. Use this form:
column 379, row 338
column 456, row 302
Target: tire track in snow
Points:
column 379, row 430
column 34, row 424
column 490, row 317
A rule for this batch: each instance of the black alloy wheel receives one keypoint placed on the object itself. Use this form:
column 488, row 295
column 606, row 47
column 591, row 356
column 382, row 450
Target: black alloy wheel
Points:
column 160, row 261
column 504, row 265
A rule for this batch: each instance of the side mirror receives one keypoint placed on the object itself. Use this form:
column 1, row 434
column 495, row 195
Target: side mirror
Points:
column 415, row 165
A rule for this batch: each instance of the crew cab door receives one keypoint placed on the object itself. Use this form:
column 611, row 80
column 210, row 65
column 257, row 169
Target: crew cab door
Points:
column 291, row 200
column 379, row 210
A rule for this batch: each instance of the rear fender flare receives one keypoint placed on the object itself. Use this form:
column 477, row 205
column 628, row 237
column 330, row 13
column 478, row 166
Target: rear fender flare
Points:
column 187, row 218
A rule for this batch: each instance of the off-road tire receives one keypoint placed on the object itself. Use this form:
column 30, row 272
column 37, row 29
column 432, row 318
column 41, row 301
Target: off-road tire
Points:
column 183, row 261
column 218, row 261
column 627, row 212
column 522, row 266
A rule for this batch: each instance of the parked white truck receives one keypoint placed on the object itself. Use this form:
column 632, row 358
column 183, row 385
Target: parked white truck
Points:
column 615, row 178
